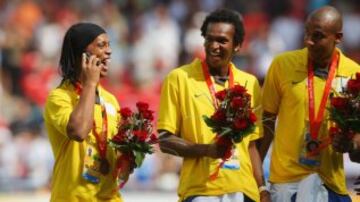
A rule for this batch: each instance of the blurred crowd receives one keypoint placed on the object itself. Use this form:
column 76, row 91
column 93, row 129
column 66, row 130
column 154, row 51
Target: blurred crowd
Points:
column 148, row 39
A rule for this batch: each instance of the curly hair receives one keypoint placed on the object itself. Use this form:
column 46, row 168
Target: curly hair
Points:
column 226, row 16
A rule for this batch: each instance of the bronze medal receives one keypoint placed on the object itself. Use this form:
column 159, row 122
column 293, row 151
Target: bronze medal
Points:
column 104, row 166
column 312, row 145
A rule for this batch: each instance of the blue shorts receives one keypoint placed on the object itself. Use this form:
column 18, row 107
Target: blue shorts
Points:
column 333, row 197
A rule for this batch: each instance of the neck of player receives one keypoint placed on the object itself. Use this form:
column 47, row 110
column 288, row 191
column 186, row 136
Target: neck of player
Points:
column 219, row 71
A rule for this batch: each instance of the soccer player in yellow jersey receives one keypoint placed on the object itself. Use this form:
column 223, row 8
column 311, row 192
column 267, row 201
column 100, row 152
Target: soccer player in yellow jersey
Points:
column 185, row 98
column 80, row 116
column 295, row 93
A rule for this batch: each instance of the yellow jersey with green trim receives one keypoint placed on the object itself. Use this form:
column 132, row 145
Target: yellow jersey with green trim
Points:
column 68, row 183
column 285, row 93
column 185, row 99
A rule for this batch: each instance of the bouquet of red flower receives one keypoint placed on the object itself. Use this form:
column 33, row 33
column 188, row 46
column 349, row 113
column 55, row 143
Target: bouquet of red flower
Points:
column 233, row 119
column 345, row 109
column 134, row 140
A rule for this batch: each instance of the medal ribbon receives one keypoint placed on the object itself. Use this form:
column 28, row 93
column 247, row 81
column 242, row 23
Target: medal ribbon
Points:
column 124, row 165
column 101, row 138
column 211, row 85
column 220, row 141
column 315, row 122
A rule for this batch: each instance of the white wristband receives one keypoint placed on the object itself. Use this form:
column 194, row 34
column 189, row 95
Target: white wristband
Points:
column 263, row 188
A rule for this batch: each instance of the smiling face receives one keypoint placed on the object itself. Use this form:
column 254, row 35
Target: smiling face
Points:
column 321, row 37
column 219, row 44
column 100, row 47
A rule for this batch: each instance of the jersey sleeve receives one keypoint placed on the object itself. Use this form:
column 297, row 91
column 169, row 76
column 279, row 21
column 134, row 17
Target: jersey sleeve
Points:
column 58, row 109
column 271, row 89
column 169, row 110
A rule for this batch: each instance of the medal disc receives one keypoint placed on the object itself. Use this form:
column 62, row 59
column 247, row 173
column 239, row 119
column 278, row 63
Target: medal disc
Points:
column 104, row 166
column 312, row 145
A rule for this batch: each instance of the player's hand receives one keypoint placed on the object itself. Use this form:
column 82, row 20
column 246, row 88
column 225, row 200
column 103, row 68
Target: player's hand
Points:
column 90, row 69
column 217, row 151
column 342, row 144
column 265, row 196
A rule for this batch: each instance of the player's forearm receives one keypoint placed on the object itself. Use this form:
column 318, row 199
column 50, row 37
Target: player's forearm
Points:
column 81, row 119
column 174, row 145
column 269, row 128
column 256, row 164
column 355, row 154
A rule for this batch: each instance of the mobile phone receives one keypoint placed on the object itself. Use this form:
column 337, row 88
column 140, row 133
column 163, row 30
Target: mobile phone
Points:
column 88, row 58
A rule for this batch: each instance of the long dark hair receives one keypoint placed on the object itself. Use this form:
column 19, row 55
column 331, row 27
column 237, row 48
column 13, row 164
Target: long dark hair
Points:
column 76, row 39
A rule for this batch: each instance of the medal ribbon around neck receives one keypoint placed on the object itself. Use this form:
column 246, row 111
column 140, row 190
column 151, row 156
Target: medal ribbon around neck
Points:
column 227, row 143
column 211, row 85
column 101, row 138
column 315, row 122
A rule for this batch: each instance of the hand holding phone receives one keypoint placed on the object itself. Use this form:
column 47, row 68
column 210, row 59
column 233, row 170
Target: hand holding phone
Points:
column 91, row 69
column 88, row 55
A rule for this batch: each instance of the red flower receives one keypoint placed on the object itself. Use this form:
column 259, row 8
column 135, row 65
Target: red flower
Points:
column 224, row 141
column 153, row 138
column 142, row 106
column 252, row 117
column 240, row 124
column 238, row 90
column 232, row 121
column 118, row 138
column 221, row 95
column 334, row 130
column 148, row 114
column 125, row 112
column 237, row 102
column 228, row 153
column 358, row 76
column 219, row 115
column 353, row 86
column 134, row 139
column 141, row 135
column 339, row 102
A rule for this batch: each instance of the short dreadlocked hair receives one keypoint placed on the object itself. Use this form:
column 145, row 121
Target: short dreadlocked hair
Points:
column 226, row 16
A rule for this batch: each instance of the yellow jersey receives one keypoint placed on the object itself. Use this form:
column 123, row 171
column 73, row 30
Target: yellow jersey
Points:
column 185, row 98
column 68, row 184
column 285, row 93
